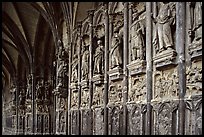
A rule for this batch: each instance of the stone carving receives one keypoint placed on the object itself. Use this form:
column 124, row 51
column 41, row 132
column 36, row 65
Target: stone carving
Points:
column 99, row 58
column 98, row 96
column 74, row 69
column 39, row 108
column 13, row 92
column 163, row 40
column 61, row 69
column 39, row 90
column 47, row 90
column 74, row 129
column 98, row 121
column 74, row 100
column 29, row 87
column 135, row 121
column 115, row 94
column 114, row 122
column 45, row 109
column 196, row 31
column 85, row 98
column 46, row 123
column 115, row 53
column 164, row 20
column 164, row 122
column 137, row 40
column 138, row 91
column 62, row 121
column 39, row 123
column 85, row 62
column 193, row 80
column 166, row 85
column 22, row 97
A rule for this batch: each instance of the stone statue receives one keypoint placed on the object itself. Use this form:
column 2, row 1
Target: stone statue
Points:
column 29, row 87
column 85, row 63
column 116, row 56
column 62, row 123
column 74, row 69
column 61, row 56
column 39, row 89
column 98, row 58
column 21, row 97
column 47, row 90
column 137, row 41
column 197, row 21
column 164, row 20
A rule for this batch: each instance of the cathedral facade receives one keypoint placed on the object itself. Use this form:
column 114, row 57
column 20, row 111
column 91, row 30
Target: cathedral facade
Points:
column 102, row 68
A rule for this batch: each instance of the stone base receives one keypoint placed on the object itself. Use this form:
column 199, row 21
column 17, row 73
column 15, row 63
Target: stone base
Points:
column 165, row 58
column 115, row 73
column 195, row 50
column 74, row 87
column 98, row 79
column 137, row 67
column 85, row 84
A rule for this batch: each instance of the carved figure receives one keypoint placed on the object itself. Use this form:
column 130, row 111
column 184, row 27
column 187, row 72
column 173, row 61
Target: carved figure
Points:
column 61, row 56
column 116, row 56
column 164, row 20
column 85, row 63
column 29, row 87
column 137, row 40
column 98, row 58
column 197, row 21
column 39, row 89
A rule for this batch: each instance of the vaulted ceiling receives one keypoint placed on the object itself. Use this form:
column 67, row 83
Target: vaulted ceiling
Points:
column 30, row 31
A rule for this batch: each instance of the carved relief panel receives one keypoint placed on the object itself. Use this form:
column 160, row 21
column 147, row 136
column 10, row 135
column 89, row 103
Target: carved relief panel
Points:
column 74, row 100
column 193, row 80
column 85, row 98
column 115, row 93
column 98, row 96
column 137, row 92
column 166, row 85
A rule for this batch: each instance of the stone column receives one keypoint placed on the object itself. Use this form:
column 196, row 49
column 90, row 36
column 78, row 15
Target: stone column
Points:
column 129, row 23
column 125, row 62
column 91, row 14
column 188, row 37
column 79, row 25
column 180, row 46
column 106, row 67
column 69, row 88
column 149, row 65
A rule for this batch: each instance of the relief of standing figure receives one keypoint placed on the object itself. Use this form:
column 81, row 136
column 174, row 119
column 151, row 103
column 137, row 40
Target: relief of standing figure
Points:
column 164, row 20
column 116, row 56
column 98, row 58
